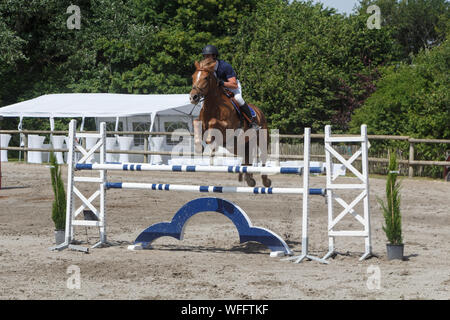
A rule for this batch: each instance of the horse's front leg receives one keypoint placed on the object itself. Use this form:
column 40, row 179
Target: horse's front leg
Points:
column 198, row 137
column 266, row 181
column 251, row 182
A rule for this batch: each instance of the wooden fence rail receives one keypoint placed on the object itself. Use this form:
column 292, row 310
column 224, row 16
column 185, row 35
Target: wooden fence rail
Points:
column 411, row 162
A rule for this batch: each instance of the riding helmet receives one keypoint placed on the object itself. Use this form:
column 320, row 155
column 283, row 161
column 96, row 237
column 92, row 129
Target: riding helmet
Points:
column 210, row 49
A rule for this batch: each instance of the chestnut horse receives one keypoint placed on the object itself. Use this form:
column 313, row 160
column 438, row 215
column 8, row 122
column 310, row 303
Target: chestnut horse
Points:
column 219, row 113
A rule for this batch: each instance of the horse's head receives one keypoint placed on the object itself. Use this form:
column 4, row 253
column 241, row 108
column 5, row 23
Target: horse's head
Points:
column 202, row 80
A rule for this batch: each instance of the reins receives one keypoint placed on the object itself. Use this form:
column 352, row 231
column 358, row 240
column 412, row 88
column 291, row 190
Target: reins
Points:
column 200, row 90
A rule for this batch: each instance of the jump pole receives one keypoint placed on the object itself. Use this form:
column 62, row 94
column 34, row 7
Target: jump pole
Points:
column 194, row 168
column 211, row 189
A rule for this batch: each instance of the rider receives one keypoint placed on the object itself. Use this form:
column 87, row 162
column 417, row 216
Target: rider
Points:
column 227, row 77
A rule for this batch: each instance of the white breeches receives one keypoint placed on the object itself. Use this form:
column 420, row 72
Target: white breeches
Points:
column 238, row 94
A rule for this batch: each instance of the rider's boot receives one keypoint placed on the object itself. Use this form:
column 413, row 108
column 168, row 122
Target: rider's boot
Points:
column 253, row 124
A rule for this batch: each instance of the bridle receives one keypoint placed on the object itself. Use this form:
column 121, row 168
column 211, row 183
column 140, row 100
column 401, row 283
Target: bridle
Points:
column 201, row 91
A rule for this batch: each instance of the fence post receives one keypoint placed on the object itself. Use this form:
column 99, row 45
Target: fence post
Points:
column 146, row 147
column 411, row 159
column 25, row 145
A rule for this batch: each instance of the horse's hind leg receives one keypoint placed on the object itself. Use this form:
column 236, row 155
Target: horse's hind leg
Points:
column 263, row 143
column 248, row 177
column 266, row 181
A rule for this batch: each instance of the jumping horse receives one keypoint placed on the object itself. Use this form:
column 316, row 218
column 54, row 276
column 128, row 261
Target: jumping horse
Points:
column 218, row 112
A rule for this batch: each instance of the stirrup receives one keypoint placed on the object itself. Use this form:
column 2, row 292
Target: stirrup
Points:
column 254, row 125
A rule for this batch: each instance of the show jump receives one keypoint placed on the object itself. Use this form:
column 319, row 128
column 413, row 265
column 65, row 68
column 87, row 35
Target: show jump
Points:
column 247, row 232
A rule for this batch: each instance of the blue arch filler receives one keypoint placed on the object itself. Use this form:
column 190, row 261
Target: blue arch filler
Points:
column 247, row 232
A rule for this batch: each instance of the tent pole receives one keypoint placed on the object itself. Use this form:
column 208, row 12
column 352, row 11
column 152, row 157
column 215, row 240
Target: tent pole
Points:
column 52, row 128
column 22, row 140
column 116, row 128
column 82, row 124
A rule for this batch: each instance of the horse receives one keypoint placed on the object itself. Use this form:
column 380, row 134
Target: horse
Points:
column 219, row 113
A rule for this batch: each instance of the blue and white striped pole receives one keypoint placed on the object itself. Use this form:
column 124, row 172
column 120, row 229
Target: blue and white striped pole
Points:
column 209, row 189
column 194, row 168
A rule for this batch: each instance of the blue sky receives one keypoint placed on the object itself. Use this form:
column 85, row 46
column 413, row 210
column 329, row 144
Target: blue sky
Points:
column 342, row 6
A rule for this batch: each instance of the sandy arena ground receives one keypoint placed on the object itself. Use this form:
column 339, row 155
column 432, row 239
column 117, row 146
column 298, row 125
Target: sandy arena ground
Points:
column 210, row 263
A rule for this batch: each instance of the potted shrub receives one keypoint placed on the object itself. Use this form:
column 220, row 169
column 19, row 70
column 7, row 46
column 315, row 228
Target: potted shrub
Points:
column 59, row 203
column 391, row 212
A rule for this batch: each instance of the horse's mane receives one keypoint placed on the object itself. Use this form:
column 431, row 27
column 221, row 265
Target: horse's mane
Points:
column 207, row 64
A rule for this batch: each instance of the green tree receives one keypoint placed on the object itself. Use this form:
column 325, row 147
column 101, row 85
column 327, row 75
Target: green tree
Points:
column 413, row 100
column 416, row 24
column 299, row 62
column 11, row 52
column 123, row 46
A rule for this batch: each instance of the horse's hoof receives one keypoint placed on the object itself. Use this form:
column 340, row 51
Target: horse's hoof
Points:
column 251, row 182
column 267, row 183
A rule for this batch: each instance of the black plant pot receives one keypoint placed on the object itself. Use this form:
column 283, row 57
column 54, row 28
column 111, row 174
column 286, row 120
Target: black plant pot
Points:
column 60, row 236
column 394, row 251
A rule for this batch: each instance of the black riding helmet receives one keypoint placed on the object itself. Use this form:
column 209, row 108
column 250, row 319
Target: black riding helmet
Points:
column 210, row 49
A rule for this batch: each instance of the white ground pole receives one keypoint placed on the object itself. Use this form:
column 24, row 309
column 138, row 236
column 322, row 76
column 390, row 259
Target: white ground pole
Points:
column 331, row 187
column 305, row 208
column 71, row 214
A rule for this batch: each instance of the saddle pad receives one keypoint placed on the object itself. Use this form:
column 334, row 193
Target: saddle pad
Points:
column 239, row 109
column 252, row 111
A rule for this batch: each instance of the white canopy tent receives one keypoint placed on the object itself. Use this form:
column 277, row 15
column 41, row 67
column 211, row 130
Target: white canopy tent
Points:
column 102, row 105
column 156, row 112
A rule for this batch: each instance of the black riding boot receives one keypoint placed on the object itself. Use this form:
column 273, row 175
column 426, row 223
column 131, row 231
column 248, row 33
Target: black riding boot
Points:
column 253, row 123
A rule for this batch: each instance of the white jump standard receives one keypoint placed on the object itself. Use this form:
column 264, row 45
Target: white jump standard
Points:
column 71, row 214
column 332, row 189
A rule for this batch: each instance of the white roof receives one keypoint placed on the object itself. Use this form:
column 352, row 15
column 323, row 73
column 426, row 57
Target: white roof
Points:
column 72, row 105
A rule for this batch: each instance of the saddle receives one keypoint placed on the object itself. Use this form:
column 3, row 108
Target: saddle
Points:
column 241, row 114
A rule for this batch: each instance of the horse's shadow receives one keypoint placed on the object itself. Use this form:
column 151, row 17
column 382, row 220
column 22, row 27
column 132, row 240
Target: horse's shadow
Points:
column 247, row 247
column 14, row 187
